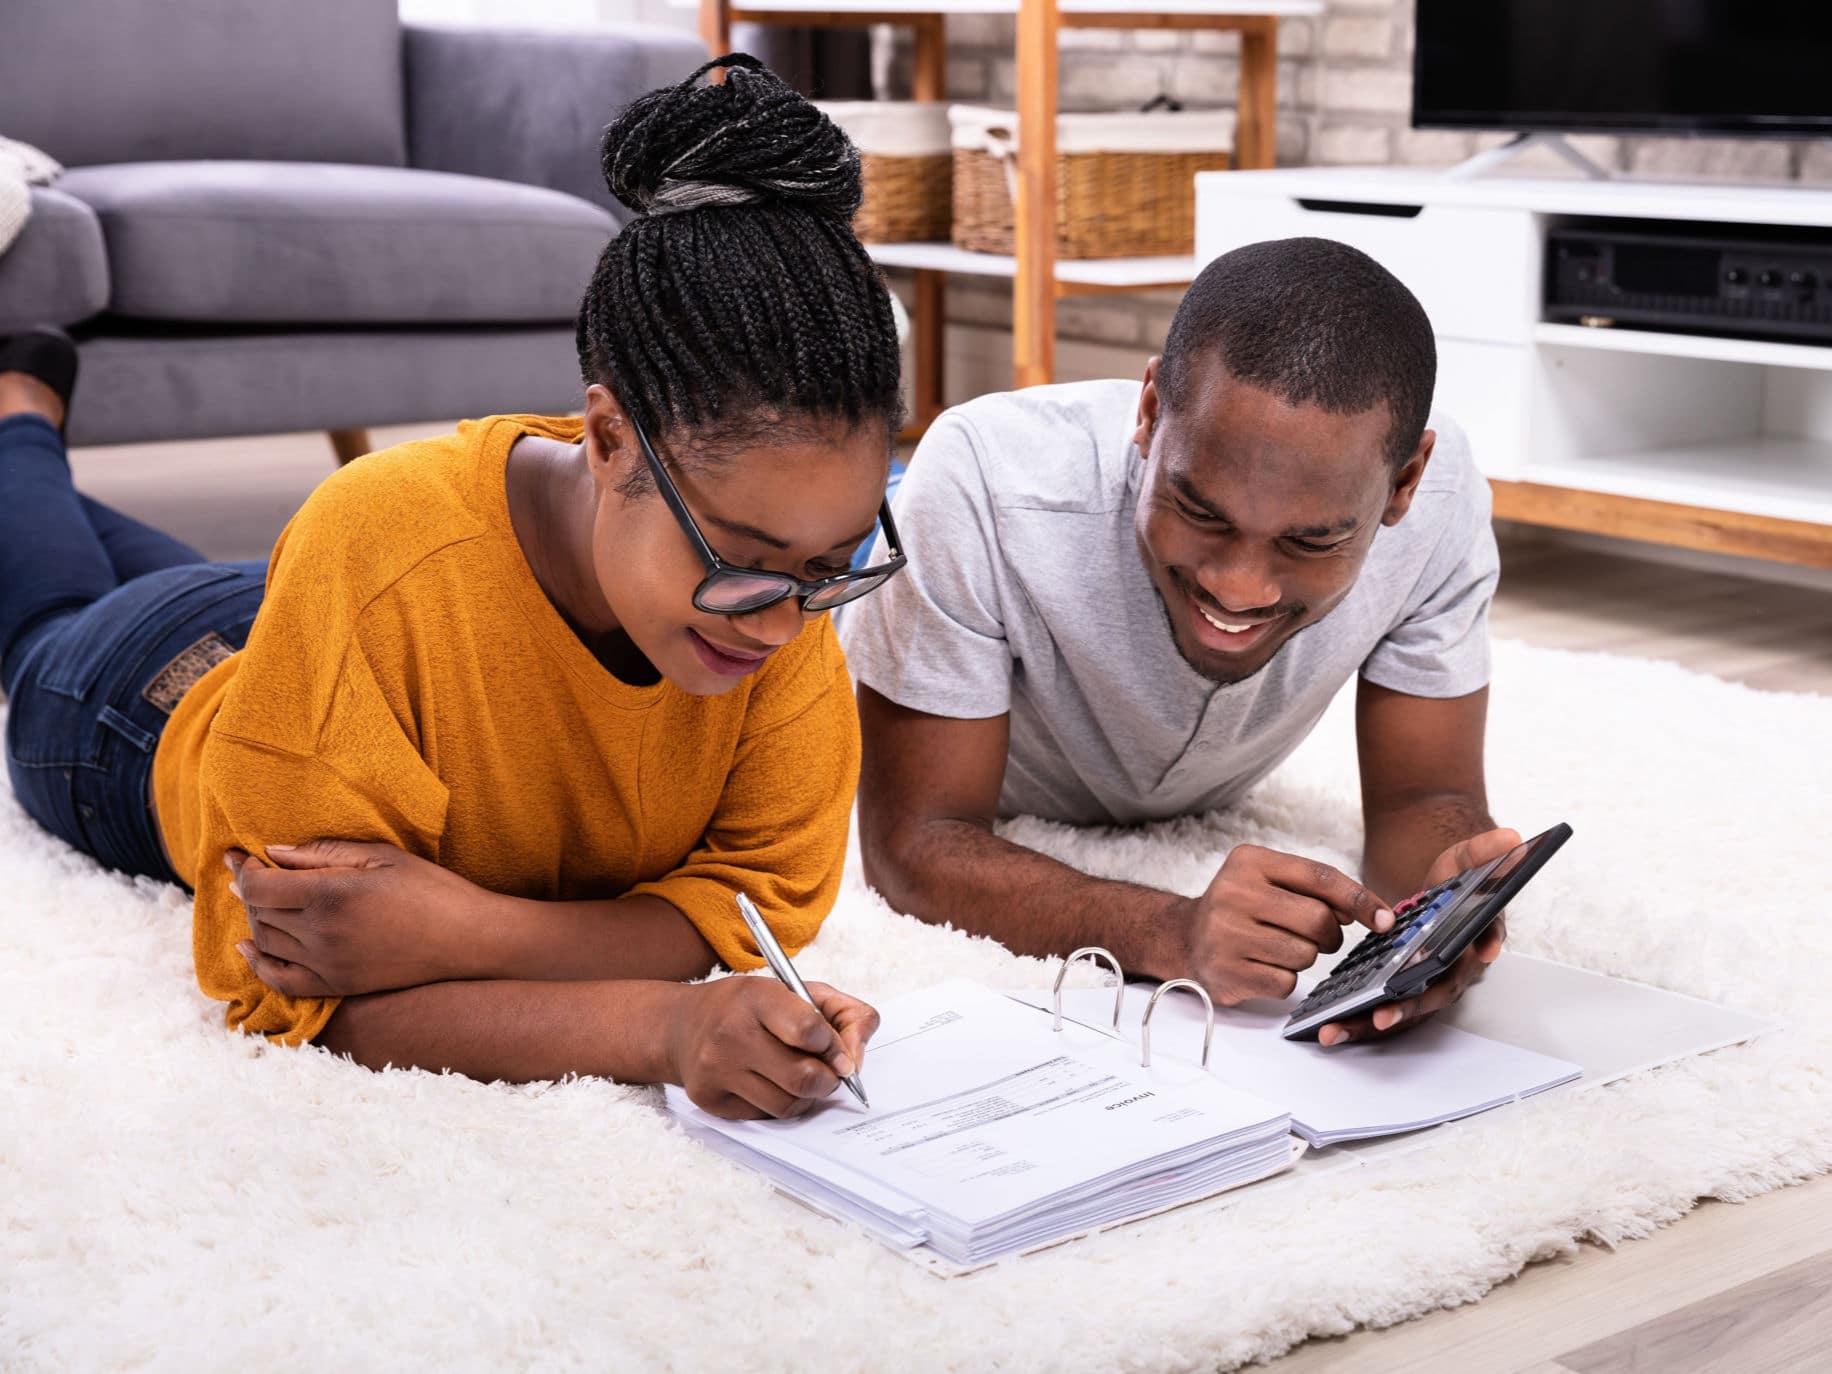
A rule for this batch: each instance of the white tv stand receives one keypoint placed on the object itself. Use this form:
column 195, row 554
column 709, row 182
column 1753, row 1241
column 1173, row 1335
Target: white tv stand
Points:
column 1702, row 442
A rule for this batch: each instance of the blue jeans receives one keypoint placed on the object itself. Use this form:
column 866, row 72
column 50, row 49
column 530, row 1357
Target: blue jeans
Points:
column 103, row 621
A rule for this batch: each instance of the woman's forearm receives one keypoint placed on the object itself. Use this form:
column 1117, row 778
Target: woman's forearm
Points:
column 353, row 917
column 515, row 1031
column 621, row 938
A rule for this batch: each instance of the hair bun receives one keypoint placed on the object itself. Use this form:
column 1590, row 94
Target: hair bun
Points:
column 750, row 138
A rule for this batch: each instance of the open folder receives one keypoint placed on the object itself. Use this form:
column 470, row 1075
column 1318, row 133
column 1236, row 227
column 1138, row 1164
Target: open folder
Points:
column 992, row 1131
column 1382, row 1086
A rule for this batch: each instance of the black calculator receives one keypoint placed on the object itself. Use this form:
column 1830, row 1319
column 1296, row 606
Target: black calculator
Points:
column 1430, row 930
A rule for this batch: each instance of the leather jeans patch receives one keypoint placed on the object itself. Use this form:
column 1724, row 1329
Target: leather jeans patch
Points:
column 179, row 676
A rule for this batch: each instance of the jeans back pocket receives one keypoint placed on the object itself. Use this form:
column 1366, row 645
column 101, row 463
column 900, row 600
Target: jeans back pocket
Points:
column 125, row 624
column 94, row 659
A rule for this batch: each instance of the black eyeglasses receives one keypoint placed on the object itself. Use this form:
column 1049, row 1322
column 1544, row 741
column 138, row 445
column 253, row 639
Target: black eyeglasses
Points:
column 727, row 590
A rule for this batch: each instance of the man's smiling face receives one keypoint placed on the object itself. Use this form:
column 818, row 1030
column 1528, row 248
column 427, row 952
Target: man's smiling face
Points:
column 1256, row 515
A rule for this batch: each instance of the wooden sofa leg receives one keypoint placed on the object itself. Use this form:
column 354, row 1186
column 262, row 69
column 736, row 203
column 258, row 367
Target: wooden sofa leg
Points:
column 349, row 443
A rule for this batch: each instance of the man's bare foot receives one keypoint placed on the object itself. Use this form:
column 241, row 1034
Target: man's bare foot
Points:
column 23, row 394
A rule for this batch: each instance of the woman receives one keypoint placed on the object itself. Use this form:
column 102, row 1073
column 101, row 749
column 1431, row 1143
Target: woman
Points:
column 511, row 660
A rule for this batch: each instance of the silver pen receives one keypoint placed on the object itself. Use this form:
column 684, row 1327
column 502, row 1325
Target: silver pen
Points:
column 780, row 966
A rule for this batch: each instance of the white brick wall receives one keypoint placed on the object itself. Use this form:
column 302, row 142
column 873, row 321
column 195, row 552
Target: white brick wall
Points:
column 1351, row 145
column 1365, row 89
column 1357, row 36
column 1712, row 157
column 1345, row 94
column 1112, row 81
column 969, row 78
column 1432, row 147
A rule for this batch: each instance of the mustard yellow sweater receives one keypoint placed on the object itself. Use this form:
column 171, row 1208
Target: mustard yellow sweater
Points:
column 408, row 681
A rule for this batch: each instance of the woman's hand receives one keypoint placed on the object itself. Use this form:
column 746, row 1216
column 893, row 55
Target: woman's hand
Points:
column 339, row 917
column 748, row 1047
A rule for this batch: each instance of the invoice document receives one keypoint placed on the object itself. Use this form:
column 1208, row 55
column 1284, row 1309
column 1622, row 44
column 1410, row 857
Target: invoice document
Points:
column 991, row 1132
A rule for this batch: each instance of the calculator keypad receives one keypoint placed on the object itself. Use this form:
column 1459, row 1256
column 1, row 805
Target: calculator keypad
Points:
column 1369, row 957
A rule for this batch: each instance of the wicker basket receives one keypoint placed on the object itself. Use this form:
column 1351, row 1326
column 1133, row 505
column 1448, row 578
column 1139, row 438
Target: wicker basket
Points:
column 909, row 172
column 1125, row 184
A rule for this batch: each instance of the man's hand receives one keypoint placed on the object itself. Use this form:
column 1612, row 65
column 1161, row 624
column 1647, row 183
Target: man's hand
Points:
column 1468, row 970
column 1266, row 916
column 745, row 1048
column 337, row 918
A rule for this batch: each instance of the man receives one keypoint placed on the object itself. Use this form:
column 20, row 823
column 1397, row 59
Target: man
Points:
column 1125, row 604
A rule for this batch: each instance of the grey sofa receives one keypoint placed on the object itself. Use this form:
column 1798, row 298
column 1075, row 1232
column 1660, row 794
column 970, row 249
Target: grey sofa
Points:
column 284, row 216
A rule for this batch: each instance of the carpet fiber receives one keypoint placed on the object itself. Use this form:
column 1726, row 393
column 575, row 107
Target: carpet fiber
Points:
column 178, row 1198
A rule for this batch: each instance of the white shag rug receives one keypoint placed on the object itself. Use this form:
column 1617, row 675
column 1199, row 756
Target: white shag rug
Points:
column 172, row 1197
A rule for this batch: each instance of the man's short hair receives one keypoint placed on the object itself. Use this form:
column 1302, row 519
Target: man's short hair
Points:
column 1315, row 322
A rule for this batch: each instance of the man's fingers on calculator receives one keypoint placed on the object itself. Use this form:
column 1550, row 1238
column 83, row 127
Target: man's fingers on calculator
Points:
column 1479, row 849
column 1266, row 980
column 1247, row 980
column 1380, row 1021
column 1305, row 918
column 1342, row 1032
column 1279, row 946
column 1341, row 893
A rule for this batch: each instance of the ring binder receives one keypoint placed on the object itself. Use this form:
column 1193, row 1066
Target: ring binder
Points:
column 1119, row 993
column 1208, row 1029
column 1119, row 1001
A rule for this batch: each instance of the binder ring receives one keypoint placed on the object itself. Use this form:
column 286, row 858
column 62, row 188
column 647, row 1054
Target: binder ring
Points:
column 1093, row 952
column 1208, row 1030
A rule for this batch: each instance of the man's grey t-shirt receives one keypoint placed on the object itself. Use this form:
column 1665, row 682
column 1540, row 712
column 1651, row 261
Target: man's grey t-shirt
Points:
column 1026, row 593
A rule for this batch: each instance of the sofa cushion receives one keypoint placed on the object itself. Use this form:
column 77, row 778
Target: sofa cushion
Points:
column 129, row 80
column 56, row 272
column 313, row 243
column 195, row 385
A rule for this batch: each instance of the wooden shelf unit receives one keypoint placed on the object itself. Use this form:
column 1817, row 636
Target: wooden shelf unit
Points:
column 1074, row 276
column 1037, row 278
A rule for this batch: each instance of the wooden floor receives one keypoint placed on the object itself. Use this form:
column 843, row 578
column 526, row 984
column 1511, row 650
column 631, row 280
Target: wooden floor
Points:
column 1732, row 1289
column 1744, row 1289
column 1585, row 596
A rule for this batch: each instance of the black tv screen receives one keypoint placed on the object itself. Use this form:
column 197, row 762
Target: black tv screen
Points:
column 1758, row 67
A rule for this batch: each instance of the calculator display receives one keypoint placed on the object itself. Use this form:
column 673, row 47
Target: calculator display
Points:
column 1502, row 871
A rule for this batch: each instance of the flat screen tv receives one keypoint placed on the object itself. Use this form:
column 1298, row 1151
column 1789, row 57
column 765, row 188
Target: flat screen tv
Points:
column 1756, row 67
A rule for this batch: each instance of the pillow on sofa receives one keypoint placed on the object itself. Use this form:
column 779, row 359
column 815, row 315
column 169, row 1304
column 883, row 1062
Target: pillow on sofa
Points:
column 56, row 271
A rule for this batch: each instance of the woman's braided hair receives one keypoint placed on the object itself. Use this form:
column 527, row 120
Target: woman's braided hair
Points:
column 738, row 300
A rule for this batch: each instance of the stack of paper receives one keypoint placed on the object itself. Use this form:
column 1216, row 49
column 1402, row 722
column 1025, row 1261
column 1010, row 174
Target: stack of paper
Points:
column 1429, row 1075
column 990, row 1133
